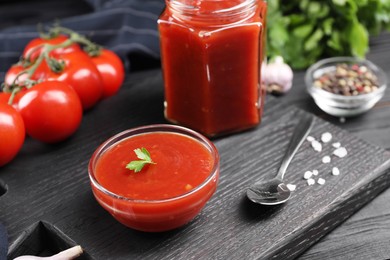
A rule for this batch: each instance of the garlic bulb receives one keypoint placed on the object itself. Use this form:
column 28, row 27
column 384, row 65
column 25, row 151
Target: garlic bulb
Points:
column 277, row 76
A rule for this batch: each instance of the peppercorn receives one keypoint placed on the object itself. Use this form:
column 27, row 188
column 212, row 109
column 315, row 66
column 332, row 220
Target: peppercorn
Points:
column 348, row 80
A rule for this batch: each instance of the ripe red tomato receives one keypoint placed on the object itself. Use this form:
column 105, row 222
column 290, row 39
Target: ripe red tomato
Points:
column 112, row 71
column 11, row 74
column 17, row 68
column 12, row 133
column 51, row 111
column 81, row 73
column 33, row 50
column 4, row 97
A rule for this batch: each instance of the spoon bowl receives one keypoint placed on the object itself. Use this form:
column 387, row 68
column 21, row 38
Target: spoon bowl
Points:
column 269, row 192
column 275, row 191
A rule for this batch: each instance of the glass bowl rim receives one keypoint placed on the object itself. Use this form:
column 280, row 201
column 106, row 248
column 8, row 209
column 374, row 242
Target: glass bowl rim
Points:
column 314, row 67
column 152, row 129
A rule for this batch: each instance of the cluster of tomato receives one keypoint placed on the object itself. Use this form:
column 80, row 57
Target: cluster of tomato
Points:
column 45, row 94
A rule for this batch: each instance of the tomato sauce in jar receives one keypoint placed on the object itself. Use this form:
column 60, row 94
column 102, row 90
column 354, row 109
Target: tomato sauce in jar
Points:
column 211, row 58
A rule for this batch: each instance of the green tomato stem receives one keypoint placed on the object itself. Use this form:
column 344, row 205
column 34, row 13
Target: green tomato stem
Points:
column 44, row 55
column 13, row 94
column 91, row 48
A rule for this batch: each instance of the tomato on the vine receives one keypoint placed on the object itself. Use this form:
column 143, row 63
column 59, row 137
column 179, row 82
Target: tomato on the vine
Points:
column 80, row 73
column 15, row 69
column 12, row 133
column 12, row 73
column 51, row 111
column 33, row 50
column 5, row 97
column 111, row 69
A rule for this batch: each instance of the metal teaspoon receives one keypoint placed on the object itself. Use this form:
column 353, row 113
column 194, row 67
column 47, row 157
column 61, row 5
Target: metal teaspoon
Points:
column 275, row 191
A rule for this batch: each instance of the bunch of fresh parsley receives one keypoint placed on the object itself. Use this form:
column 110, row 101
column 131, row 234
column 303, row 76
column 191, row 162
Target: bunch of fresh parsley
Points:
column 303, row 31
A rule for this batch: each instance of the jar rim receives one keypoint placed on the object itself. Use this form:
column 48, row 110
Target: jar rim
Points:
column 184, row 10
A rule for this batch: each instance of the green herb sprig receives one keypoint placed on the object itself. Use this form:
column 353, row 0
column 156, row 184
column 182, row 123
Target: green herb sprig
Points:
column 144, row 157
column 303, row 31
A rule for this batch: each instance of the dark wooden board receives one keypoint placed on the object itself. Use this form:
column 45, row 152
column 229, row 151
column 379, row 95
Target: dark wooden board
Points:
column 366, row 234
column 42, row 239
column 50, row 183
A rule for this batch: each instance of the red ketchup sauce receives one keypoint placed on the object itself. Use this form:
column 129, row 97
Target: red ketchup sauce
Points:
column 149, row 198
column 211, row 66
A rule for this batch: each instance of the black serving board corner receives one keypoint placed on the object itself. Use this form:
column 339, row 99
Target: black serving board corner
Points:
column 283, row 232
column 50, row 183
column 42, row 239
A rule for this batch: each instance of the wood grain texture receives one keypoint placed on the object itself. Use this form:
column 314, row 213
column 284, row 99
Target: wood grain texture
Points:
column 366, row 234
column 50, row 183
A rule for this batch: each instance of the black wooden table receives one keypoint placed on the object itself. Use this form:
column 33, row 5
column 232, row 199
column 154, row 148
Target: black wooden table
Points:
column 46, row 203
column 366, row 234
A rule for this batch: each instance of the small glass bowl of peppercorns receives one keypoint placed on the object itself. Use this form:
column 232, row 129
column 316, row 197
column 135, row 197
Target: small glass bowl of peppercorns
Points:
column 345, row 86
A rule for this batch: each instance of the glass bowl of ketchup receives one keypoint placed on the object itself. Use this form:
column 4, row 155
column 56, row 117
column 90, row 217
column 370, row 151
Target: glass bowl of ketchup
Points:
column 164, row 194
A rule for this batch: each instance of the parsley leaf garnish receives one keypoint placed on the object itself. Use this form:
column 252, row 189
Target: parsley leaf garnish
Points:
column 144, row 157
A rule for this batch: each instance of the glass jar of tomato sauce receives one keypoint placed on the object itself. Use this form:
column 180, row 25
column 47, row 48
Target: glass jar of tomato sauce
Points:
column 211, row 53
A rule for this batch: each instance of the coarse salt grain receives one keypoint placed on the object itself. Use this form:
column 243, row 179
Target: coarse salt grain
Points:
column 307, row 175
column 336, row 145
column 321, row 181
column 310, row 138
column 291, row 187
column 326, row 159
column 315, row 172
column 311, row 182
column 335, row 171
column 326, row 137
column 340, row 152
column 317, row 146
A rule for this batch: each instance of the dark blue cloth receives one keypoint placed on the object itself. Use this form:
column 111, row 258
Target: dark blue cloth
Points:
column 128, row 27
column 3, row 243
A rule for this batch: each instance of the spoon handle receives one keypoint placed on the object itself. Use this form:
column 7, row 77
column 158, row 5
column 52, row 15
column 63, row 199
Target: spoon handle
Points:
column 301, row 131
